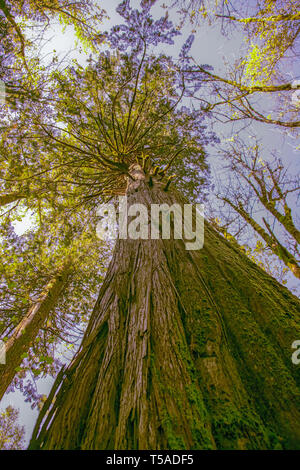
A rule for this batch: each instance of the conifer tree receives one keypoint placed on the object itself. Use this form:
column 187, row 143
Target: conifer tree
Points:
column 185, row 349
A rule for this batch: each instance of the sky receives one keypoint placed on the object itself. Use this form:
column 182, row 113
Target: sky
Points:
column 210, row 47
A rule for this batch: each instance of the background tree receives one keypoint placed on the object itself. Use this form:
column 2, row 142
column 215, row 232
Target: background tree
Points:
column 17, row 17
column 261, row 77
column 41, row 273
column 256, row 184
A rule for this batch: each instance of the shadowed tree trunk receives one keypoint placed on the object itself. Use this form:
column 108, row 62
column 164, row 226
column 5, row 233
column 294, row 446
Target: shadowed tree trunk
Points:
column 17, row 196
column 28, row 328
column 8, row 198
column 184, row 350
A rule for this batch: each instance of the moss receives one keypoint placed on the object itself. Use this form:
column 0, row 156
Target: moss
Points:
column 200, row 423
column 195, row 414
column 175, row 441
column 240, row 290
column 232, row 426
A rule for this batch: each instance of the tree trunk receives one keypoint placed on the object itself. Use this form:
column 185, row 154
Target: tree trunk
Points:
column 184, row 350
column 28, row 328
column 8, row 198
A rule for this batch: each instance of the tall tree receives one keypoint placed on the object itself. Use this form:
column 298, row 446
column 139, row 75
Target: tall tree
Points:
column 41, row 272
column 184, row 349
column 26, row 331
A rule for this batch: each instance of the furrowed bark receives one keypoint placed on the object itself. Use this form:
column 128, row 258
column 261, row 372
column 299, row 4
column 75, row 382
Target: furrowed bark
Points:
column 28, row 328
column 184, row 350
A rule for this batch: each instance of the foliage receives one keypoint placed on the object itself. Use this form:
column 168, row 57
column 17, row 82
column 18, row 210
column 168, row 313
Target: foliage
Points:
column 11, row 433
column 116, row 109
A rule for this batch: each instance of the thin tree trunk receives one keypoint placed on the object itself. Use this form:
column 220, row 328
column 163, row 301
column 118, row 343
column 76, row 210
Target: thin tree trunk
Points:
column 17, row 195
column 184, row 350
column 8, row 198
column 28, row 328
column 286, row 220
column 273, row 243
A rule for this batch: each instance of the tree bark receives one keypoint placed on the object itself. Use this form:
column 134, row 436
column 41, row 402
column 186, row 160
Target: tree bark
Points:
column 184, row 350
column 28, row 328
